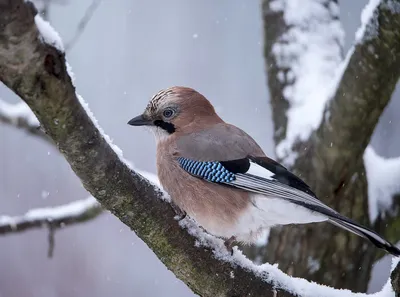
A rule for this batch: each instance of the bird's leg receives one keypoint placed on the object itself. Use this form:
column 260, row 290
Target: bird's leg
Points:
column 179, row 212
column 229, row 244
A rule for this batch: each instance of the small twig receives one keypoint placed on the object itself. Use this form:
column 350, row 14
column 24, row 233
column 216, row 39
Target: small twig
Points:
column 83, row 23
column 51, row 240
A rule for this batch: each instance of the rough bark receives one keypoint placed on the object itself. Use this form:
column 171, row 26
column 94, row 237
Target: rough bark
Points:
column 330, row 161
column 37, row 73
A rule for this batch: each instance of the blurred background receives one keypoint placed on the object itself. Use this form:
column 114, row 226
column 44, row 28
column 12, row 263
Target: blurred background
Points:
column 127, row 52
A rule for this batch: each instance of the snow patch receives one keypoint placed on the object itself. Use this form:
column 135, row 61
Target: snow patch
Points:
column 48, row 34
column 383, row 182
column 70, row 72
column 18, row 111
column 313, row 264
column 369, row 22
column 262, row 239
column 310, row 50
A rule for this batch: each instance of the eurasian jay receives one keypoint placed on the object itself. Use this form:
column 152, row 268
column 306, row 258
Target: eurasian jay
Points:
column 219, row 176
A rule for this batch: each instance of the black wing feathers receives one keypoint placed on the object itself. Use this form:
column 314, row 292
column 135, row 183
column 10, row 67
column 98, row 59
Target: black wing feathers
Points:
column 237, row 166
column 282, row 174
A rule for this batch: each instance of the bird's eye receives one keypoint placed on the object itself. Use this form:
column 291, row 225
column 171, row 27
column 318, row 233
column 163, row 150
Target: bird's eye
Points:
column 168, row 113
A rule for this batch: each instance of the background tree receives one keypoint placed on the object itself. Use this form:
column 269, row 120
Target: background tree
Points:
column 325, row 109
column 54, row 98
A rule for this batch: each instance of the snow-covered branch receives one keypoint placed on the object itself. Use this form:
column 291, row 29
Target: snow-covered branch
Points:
column 370, row 73
column 19, row 115
column 325, row 109
column 54, row 217
column 383, row 184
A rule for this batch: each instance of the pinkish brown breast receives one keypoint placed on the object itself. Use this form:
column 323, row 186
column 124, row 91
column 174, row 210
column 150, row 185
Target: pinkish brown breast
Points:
column 215, row 207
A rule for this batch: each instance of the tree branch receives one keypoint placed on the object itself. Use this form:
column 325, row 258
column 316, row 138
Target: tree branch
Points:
column 303, row 47
column 323, row 125
column 37, row 72
column 363, row 92
column 57, row 217
column 83, row 23
column 20, row 116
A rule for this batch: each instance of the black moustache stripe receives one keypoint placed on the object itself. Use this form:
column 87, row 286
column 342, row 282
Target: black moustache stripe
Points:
column 170, row 128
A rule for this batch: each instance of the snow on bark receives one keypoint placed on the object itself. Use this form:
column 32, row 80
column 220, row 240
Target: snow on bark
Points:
column 308, row 54
column 271, row 273
column 383, row 182
column 48, row 34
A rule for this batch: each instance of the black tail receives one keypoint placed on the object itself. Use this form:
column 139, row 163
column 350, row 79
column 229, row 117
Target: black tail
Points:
column 372, row 236
column 349, row 225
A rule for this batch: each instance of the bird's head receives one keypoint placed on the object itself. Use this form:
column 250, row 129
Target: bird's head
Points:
column 176, row 109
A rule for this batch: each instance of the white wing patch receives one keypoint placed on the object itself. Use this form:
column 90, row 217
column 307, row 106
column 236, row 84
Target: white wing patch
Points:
column 269, row 210
column 260, row 171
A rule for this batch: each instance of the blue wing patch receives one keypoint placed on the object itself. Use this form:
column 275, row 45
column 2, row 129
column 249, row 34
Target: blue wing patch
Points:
column 212, row 171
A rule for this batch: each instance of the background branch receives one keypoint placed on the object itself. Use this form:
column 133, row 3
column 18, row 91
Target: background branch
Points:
column 83, row 23
column 19, row 115
column 329, row 153
column 58, row 217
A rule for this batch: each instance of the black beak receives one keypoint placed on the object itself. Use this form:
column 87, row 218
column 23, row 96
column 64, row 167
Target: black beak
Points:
column 140, row 121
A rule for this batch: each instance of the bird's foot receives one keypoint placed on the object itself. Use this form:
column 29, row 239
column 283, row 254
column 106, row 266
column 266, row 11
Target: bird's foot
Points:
column 229, row 244
column 179, row 212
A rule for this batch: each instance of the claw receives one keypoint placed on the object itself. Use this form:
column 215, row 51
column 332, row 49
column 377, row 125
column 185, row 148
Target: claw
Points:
column 179, row 212
column 229, row 244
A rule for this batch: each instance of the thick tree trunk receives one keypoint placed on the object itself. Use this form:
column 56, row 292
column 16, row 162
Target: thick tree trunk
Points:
column 331, row 160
